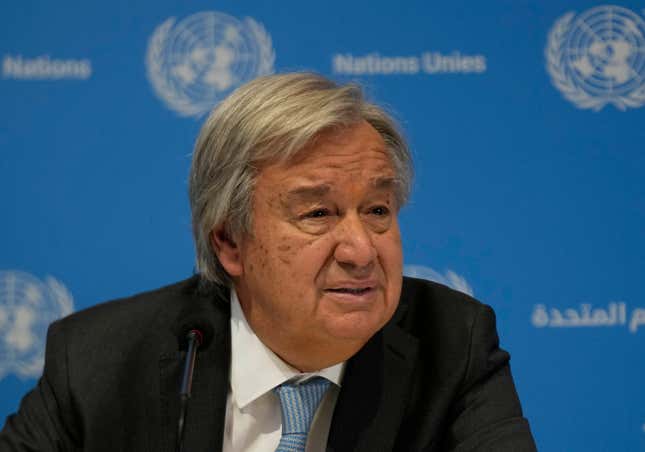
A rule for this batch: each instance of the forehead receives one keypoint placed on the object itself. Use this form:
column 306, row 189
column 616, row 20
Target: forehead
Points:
column 356, row 153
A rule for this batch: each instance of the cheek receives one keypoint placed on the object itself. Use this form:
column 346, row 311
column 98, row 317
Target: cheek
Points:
column 301, row 259
column 286, row 250
column 390, row 250
column 391, row 257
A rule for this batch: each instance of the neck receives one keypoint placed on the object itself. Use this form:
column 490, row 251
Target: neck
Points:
column 312, row 358
column 305, row 355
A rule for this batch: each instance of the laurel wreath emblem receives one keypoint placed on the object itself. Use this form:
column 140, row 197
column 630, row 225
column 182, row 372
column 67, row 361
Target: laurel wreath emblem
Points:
column 168, row 89
column 563, row 81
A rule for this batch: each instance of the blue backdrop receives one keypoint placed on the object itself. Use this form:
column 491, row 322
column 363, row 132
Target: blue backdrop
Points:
column 527, row 124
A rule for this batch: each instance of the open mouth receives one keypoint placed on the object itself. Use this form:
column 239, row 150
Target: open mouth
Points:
column 353, row 291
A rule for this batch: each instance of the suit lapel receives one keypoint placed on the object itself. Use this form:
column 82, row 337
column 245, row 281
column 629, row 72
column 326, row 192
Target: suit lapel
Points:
column 207, row 407
column 372, row 398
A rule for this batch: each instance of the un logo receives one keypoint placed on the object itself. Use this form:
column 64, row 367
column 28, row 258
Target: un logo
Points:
column 194, row 63
column 27, row 307
column 598, row 58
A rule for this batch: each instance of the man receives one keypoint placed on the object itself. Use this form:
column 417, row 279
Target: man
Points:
column 295, row 188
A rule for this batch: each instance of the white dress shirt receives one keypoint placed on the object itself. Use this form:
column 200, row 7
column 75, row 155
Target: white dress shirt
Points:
column 253, row 416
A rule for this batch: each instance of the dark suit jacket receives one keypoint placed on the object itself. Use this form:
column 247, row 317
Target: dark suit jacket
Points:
column 432, row 379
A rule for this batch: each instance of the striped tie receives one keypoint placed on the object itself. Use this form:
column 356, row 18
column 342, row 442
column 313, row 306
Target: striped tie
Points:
column 298, row 404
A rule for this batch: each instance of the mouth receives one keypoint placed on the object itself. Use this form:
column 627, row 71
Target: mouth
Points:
column 350, row 290
column 351, row 297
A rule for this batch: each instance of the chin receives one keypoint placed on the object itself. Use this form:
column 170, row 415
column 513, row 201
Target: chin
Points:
column 355, row 326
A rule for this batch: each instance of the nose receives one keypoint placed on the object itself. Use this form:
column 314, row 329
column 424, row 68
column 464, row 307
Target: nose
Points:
column 355, row 249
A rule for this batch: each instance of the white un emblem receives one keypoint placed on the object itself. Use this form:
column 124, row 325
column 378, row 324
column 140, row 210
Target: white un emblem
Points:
column 194, row 63
column 27, row 307
column 598, row 58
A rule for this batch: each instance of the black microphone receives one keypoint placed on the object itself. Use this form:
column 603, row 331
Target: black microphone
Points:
column 193, row 333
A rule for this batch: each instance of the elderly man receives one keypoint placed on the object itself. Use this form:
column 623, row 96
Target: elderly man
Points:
column 318, row 341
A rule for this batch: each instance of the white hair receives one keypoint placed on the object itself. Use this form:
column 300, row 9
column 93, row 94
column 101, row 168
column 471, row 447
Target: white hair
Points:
column 271, row 119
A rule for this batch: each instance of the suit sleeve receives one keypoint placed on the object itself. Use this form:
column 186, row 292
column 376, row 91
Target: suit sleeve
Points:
column 43, row 419
column 488, row 415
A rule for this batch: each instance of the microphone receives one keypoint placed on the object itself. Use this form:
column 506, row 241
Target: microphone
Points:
column 193, row 333
column 193, row 321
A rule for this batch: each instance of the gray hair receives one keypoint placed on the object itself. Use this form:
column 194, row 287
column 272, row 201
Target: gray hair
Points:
column 271, row 119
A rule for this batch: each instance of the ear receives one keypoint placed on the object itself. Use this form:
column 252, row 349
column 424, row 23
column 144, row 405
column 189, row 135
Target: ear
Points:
column 227, row 251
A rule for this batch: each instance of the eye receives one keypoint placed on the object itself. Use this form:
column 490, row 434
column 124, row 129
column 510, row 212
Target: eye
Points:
column 379, row 211
column 318, row 213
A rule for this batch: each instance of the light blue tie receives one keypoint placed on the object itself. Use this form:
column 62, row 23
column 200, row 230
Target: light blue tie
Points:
column 298, row 404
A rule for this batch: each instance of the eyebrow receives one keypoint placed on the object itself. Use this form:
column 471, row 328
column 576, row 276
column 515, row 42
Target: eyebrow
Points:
column 384, row 183
column 309, row 191
column 320, row 190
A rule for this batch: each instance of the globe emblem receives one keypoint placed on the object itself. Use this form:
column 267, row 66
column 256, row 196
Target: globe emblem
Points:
column 27, row 307
column 196, row 62
column 598, row 58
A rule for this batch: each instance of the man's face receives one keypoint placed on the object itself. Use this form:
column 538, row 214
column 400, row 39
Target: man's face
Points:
column 322, row 266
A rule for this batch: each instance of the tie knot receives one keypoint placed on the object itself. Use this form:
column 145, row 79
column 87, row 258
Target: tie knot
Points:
column 299, row 403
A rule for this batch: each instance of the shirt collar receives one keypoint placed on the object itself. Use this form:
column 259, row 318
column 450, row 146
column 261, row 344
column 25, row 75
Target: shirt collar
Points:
column 255, row 369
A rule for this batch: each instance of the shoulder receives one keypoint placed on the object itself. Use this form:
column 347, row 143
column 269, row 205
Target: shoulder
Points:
column 460, row 371
column 444, row 321
column 134, row 308
column 131, row 320
column 425, row 301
